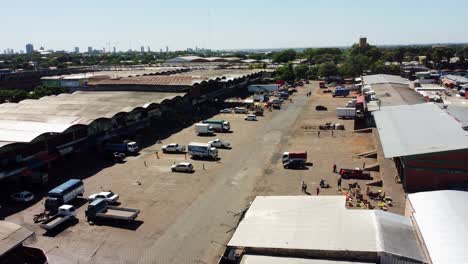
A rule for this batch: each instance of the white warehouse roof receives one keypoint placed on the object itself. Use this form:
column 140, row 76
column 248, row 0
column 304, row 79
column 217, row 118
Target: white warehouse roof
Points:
column 384, row 79
column 441, row 217
column 25, row 121
column 258, row 259
column 302, row 223
column 406, row 130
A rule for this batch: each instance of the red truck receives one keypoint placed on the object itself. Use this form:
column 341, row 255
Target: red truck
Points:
column 296, row 159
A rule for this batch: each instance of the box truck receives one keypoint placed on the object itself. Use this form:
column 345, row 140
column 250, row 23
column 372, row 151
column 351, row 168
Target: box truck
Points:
column 202, row 150
column 345, row 112
column 204, row 129
column 218, row 125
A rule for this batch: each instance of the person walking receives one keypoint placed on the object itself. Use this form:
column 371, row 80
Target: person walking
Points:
column 318, row 190
column 303, row 186
column 339, row 183
column 334, row 168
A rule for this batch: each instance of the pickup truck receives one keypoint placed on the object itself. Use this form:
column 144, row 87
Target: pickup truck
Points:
column 218, row 143
column 294, row 159
column 65, row 213
column 99, row 209
column 173, row 147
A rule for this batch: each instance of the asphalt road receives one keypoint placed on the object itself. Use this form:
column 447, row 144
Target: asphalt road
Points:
column 199, row 234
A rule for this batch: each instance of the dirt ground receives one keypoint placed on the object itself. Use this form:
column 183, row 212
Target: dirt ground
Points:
column 324, row 150
column 188, row 218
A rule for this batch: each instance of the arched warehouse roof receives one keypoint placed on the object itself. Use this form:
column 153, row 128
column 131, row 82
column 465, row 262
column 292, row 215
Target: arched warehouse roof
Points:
column 29, row 119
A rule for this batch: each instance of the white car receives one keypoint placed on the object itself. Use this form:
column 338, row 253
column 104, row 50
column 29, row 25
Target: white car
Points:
column 22, row 197
column 182, row 167
column 218, row 143
column 173, row 147
column 226, row 110
column 241, row 110
column 110, row 197
column 250, row 118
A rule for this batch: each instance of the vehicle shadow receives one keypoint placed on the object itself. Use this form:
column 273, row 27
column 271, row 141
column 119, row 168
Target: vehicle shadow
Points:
column 205, row 159
column 59, row 229
column 78, row 202
column 122, row 224
column 206, row 135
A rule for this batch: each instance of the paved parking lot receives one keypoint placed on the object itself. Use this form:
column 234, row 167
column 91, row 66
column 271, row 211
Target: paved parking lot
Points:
column 188, row 218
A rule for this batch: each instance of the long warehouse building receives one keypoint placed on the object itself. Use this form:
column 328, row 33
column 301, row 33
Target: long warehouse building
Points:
column 35, row 133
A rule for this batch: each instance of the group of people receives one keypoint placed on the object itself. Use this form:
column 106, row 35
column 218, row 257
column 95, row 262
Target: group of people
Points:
column 322, row 183
column 304, row 188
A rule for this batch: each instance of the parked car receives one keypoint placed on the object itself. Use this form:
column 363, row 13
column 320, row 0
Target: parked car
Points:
column 250, row 118
column 22, row 197
column 182, row 167
column 241, row 110
column 226, row 110
column 173, row 147
column 218, row 143
column 110, row 197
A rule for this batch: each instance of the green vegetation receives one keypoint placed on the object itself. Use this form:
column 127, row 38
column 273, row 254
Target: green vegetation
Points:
column 16, row 95
column 354, row 61
column 284, row 56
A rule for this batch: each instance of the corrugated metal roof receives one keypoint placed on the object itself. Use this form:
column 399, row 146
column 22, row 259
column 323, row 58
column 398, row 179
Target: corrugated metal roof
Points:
column 441, row 218
column 323, row 223
column 418, row 129
column 256, row 259
column 459, row 113
column 12, row 235
column 24, row 121
column 383, row 78
column 456, row 78
column 183, row 80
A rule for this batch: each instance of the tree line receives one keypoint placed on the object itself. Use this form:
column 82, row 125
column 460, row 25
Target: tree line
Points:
column 16, row 95
column 354, row 61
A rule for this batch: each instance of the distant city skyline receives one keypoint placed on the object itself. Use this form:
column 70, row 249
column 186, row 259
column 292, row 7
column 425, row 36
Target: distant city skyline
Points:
column 218, row 25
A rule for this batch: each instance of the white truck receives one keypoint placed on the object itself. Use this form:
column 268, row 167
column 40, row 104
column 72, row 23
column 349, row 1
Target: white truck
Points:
column 218, row 125
column 202, row 150
column 345, row 112
column 173, row 147
column 65, row 213
column 126, row 146
column 204, row 129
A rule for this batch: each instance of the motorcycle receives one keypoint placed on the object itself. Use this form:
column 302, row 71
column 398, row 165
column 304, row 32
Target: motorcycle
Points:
column 41, row 217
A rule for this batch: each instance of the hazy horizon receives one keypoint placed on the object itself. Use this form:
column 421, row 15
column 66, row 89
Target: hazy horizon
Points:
column 243, row 25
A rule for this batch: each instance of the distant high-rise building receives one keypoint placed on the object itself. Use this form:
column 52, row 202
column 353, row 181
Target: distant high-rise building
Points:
column 29, row 48
column 167, row 48
column 113, row 49
column 149, row 50
column 90, row 49
column 160, row 50
column 21, row 52
column 77, row 50
column 362, row 42
column 142, row 49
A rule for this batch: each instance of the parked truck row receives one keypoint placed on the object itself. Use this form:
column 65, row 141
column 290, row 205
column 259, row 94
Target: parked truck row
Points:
column 59, row 212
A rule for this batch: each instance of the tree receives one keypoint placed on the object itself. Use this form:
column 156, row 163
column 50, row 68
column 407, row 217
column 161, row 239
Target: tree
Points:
column 312, row 72
column 41, row 91
column 284, row 56
column 301, row 71
column 327, row 69
column 12, row 96
column 285, row 73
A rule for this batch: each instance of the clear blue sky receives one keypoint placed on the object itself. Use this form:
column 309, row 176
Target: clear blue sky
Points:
column 219, row 24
